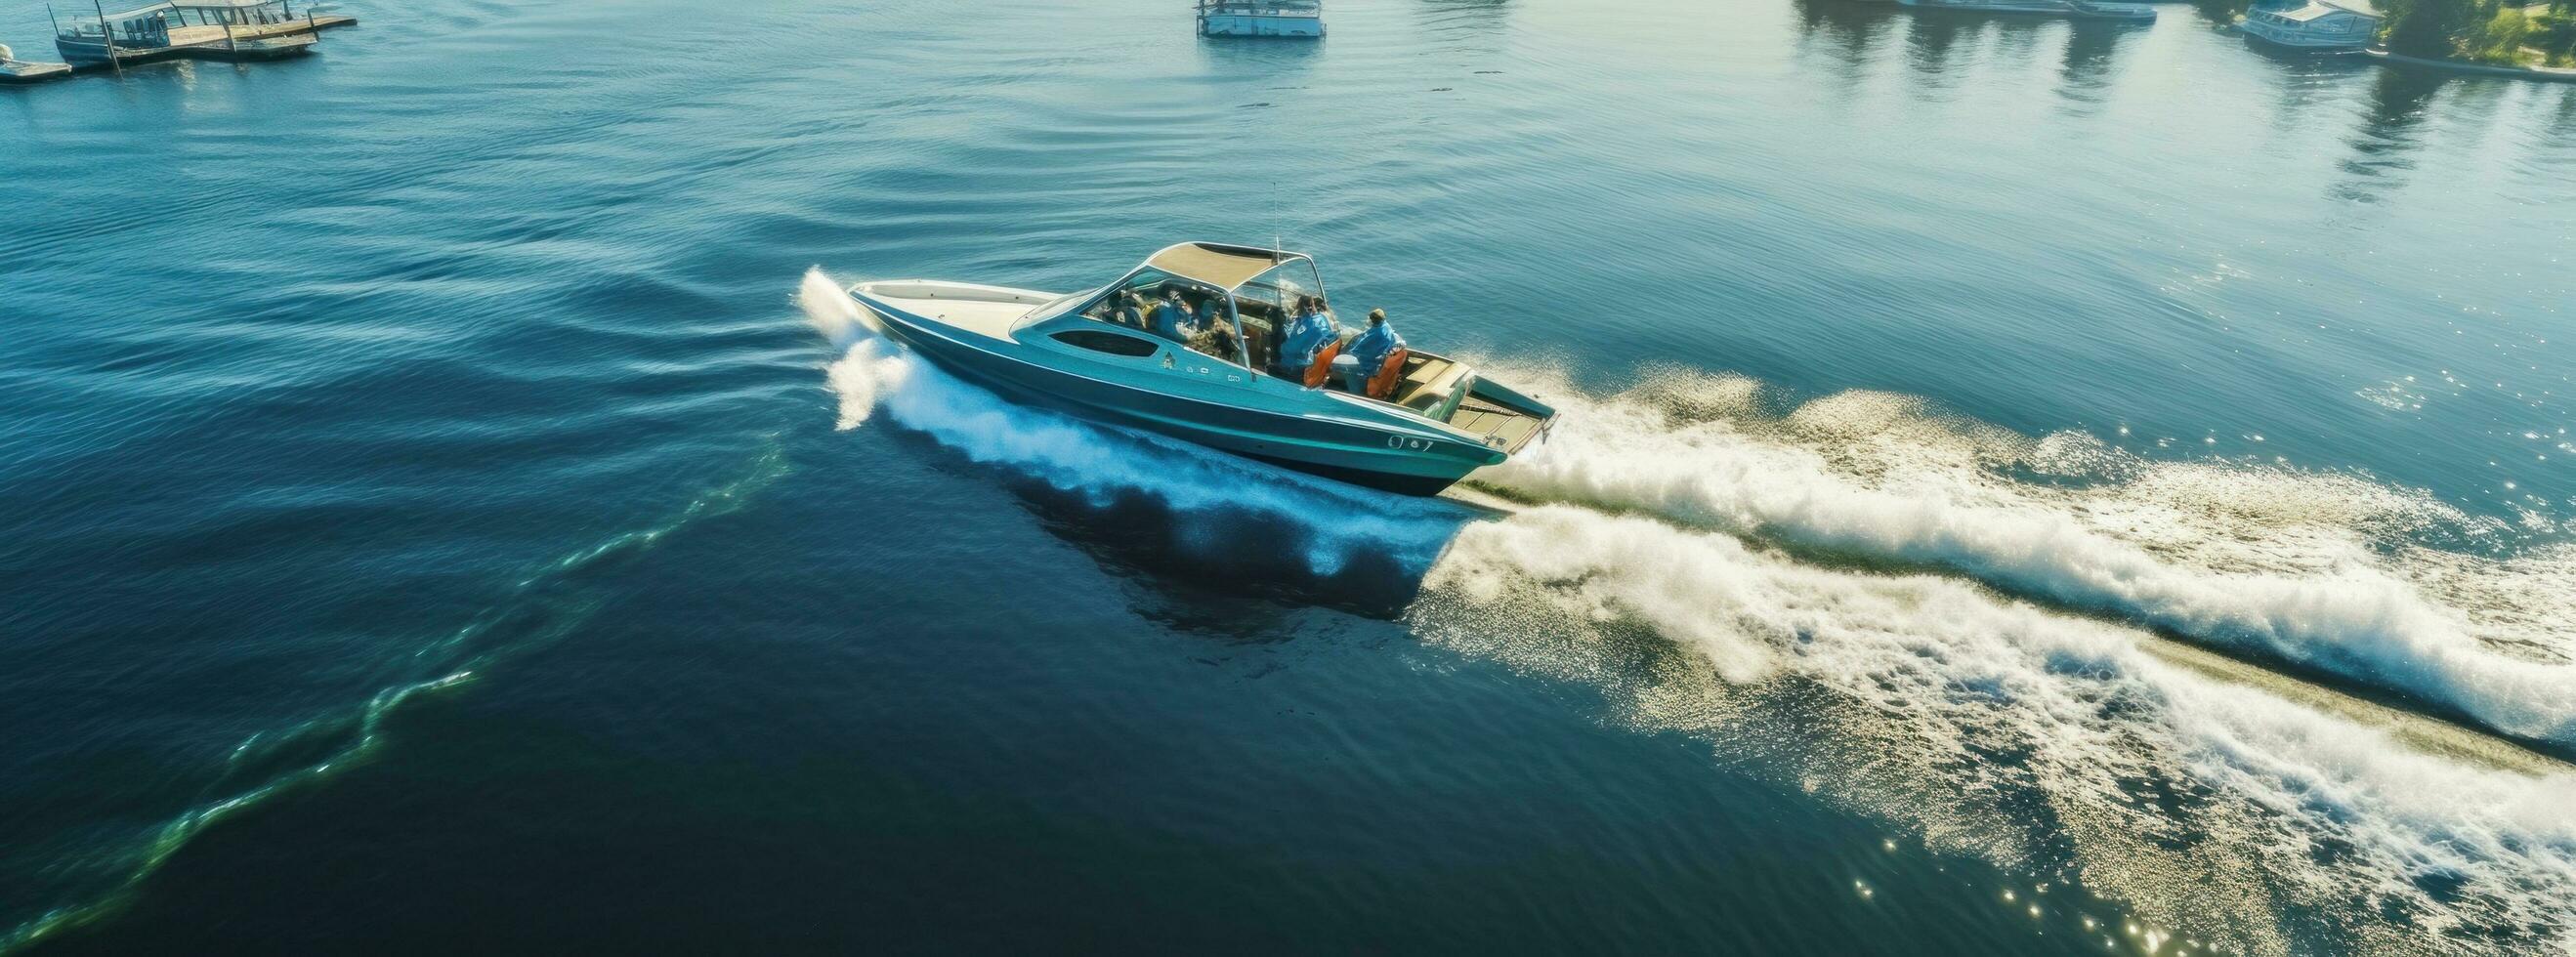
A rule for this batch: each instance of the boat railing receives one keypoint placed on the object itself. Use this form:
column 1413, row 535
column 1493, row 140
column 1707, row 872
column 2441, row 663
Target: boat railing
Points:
column 1297, row 7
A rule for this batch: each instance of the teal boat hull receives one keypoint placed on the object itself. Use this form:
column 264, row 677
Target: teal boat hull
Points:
column 1388, row 453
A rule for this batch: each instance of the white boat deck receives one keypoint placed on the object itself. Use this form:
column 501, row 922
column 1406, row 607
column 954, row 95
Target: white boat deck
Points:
column 988, row 310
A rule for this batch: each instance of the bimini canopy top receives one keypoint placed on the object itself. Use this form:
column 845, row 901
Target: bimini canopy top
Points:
column 1217, row 264
column 190, row 5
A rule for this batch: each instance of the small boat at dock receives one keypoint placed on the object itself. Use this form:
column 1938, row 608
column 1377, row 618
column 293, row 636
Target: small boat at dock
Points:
column 198, row 29
column 14, row 70
column 1261, row 18
column 2315, row 26
column 1416, row 423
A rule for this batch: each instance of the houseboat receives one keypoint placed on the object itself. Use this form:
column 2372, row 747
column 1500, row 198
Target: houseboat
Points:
column 208, row 29
column 2313, row 25
column 1261, row 18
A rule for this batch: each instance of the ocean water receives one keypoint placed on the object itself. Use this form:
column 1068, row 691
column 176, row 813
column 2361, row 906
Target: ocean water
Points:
column 2025, row 489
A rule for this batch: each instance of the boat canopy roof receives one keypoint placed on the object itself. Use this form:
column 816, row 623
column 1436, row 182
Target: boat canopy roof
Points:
column 1220, row 265
column 191, row 5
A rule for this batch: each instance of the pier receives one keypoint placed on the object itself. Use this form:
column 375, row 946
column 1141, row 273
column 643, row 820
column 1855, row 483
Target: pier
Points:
column 16, row 71
column 230, row 30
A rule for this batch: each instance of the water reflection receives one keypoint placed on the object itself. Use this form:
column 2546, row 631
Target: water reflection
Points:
column 2219, row 13
column 2084, row 67
column 1259, row 57
column 1463, row 26
column 1485, row 13
column 2307, row 82
column 1240, row 571
column 2391, row 132
column 1928, row 42
column 1847, row 26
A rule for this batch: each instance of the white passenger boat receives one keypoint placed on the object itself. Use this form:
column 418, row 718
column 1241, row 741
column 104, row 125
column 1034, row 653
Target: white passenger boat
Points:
column 2313, row 25
column 1261, row 18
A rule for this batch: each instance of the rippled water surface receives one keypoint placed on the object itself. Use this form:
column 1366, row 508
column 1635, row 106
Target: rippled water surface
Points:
column 2025, row 489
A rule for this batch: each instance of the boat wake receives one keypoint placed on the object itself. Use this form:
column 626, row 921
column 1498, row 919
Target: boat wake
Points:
column 2322, row 571
column 2053, row 745
column 549, row 603
column 1816, row 594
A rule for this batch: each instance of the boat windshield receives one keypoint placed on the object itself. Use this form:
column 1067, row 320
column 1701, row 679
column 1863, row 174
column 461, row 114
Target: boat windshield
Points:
column 1061, row 304
column 1269, row 300
column 1177, row 308
column 1280, row 286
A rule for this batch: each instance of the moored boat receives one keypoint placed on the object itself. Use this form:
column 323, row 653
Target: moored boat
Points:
column 211, row 29
column 2091, row 10
column 2313, row 25
column 1415, row 423
column 1261, row 18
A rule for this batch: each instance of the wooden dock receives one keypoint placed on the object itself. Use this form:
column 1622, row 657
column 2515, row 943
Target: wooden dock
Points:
column 238, row 43
column 22, row 71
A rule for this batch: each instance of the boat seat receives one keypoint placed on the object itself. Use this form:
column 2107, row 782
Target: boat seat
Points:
column 1382, row 383
column 1432, row 388
column 1322, row 370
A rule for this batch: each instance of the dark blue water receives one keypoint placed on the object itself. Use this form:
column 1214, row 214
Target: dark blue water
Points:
column 439, row 511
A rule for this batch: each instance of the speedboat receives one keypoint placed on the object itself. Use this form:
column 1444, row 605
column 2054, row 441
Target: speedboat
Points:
column 1414, row 424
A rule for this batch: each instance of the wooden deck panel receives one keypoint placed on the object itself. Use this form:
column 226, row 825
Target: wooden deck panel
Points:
column 24, row 71
column 208, row 42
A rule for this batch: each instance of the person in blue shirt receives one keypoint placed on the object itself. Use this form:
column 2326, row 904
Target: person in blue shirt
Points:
column 1287, row 335
column 1130, row 312
column 1369, row 350
column 1327, row 329
column 1215, row 335
column 1309, row 334
column 1172, row 319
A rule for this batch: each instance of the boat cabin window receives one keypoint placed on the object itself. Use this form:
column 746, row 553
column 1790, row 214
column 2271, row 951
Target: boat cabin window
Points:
column 1114, row 343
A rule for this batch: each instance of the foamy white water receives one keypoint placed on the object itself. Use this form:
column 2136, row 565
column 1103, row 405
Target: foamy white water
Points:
column 2207, row 805
column 2262, row 560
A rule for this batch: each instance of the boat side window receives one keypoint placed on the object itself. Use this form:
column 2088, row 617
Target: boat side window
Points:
column 1144, row 284
column 1113, row 343
column 1131, row 303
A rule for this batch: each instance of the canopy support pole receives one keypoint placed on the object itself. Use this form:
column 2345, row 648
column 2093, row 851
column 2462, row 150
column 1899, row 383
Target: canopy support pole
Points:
column 107, row 38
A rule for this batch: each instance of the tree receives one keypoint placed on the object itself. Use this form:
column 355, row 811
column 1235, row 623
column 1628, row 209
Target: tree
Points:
column 2426, row 28
column 2502, row 42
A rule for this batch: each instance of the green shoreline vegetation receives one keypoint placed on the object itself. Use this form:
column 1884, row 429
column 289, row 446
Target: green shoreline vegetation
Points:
column 2484, row 32
column 2493, row 33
